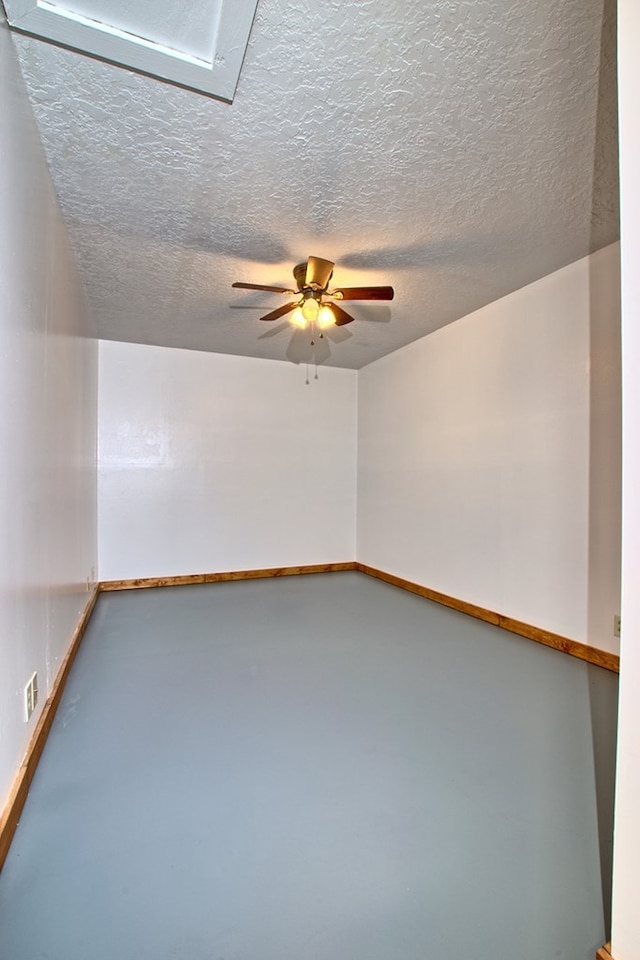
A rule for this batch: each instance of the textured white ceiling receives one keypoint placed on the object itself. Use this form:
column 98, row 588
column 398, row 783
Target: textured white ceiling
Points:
column 456, row 150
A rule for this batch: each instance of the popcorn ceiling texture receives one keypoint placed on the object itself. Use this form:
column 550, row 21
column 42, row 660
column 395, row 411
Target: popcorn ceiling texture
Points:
column 456, row 150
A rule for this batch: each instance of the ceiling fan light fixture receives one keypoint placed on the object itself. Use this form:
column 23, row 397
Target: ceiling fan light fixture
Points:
column 326, row 317
column 312, row 280
column 310, row 309
column 298, row 318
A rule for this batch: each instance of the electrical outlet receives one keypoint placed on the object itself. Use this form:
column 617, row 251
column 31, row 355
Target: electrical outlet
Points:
column 616, row 625
column 30, row 697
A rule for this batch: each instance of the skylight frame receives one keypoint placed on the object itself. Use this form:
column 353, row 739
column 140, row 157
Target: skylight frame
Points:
column 217, row 77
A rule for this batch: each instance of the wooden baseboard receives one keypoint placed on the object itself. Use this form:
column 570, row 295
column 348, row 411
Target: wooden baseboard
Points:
column 600, row 658
column 142, row 583
column 18, row 794
column 604, row 953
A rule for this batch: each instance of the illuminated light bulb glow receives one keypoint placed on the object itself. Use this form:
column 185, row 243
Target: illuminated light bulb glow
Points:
column 298, row 319
column 310, row 309
column 326, row 318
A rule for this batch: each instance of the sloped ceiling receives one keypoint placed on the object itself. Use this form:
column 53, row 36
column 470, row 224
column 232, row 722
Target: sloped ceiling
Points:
column 456, row 150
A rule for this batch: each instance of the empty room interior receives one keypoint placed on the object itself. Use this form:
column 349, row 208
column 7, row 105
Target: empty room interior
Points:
column 320, row 535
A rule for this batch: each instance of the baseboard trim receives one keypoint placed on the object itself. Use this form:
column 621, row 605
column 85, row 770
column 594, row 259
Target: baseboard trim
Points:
column 604, row 953
column 142, row 583
column 18, row 794
column 600, row 658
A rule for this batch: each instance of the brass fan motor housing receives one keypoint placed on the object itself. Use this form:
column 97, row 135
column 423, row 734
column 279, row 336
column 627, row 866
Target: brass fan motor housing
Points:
column 300, row 276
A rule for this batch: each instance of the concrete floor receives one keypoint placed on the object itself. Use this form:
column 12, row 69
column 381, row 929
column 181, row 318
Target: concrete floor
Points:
column 314, row 768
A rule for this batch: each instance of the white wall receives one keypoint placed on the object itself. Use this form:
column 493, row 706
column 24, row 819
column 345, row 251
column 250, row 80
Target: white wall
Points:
column 211, row 463
column 476, row 448
column 625, row 937
column 48, row 369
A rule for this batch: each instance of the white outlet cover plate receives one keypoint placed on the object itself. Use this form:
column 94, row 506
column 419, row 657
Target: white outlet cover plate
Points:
column 30, row 696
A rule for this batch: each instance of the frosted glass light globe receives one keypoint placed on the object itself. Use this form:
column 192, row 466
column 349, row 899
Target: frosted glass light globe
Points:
column 326, row 318
column 310, row 309
column 298, row 318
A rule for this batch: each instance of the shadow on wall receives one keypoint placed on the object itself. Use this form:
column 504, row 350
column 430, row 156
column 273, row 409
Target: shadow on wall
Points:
column 603, row 699
column 605, row 468
column 605, row 450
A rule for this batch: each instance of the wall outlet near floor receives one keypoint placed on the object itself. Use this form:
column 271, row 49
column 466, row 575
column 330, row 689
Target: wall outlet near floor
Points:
column 616, row 625
column 30, row 697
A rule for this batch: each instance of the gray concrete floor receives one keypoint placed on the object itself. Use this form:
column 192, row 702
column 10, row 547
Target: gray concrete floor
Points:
column 314, row 768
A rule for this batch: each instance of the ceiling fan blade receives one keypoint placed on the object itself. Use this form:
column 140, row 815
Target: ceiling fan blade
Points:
column 318, row 272
column 260, row 286
column 280, row 312
column 341, row 315
column 362, row 293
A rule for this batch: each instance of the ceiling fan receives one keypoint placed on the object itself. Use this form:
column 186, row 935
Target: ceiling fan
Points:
column 310, row 308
